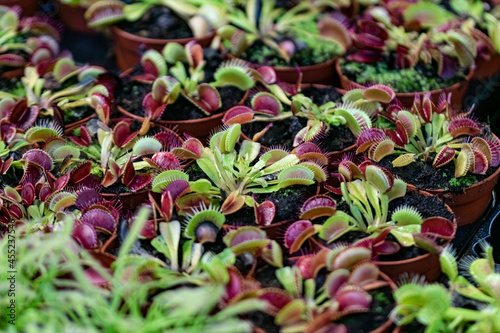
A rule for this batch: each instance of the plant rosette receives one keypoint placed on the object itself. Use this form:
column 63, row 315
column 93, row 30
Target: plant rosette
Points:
column 196, row 19
column 457, row 90
column 389, row 218
column 434, row 148
column 291, row 41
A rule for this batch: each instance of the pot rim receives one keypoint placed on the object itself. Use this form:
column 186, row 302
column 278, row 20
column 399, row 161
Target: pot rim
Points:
column 468, row 188
column 138, row 39
column 286, row 68
column 423, row 256
column 454, row 86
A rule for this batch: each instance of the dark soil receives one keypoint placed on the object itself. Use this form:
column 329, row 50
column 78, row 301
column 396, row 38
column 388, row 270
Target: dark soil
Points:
column 159, row 22
column 213, row 59
column 413, row 327
column 423, row 176
column 194, row 172
column 322, row 95
column 428, row 206
column 245, row 216
column 76, row 114
column 129, row 95
column 263, row 321
column 11, row 85
column 117, row 188
column 282, row 133
column 380, row 308
column 337, row 138
column 12, row 176
column 288, row 200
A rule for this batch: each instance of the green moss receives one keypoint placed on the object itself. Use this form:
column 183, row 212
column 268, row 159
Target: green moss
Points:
column 401, row 80
column 312, row 48
column 384, row 123
column 464, row 181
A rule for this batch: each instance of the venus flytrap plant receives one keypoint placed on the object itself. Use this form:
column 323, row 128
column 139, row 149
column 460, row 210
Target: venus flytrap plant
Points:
column 349, row 275
column 202, row 17
column 433, row 134
column 278, row 30
column 437, row 312
column 368, row 189
column 238, row 174
column 25, row 41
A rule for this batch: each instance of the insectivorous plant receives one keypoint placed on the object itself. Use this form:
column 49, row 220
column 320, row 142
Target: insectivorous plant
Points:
column 237, row 174
column 433, row 305
column 290, row 36
column 368, row 189
column 354, row 112
column 201, row 17
column 433, row 134
column 33, row 40
column 348, row 277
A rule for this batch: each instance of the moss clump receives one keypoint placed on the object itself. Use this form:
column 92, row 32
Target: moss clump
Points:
column 465, row 181
column 401, row 80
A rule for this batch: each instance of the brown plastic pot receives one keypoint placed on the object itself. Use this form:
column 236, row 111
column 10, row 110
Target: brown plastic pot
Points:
column 457, row 90
column 30, row 7
column 127, row 45
column 73, row 17
column 469, row 205
column 323, row 73
column 486, row 69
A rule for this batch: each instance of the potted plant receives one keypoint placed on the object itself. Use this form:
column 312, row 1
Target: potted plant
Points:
column 488, row 60
column 410, row 62
column 68, row 93
column 380, row 215
column 464, row 306
column 425, row 141
column 173, row 21
column 180, row 96
column 33, row 40
column 334, row 126
column 284, row 39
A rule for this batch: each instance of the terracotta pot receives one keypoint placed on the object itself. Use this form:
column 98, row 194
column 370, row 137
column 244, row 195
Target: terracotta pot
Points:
column 127, row 45
column 457, row 90
column 199, row 128
column 30, row 7
column 73, row 17
column 469, row 205
column 486, row 69
column 323, row 73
